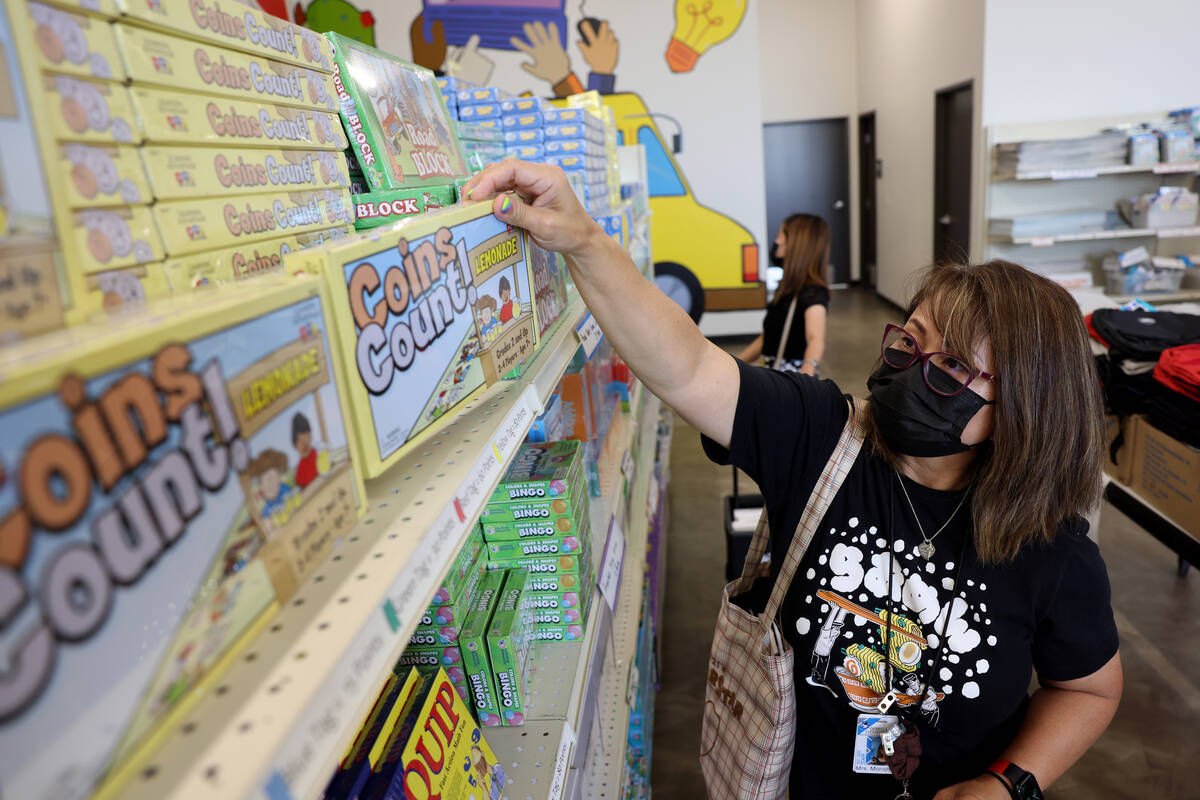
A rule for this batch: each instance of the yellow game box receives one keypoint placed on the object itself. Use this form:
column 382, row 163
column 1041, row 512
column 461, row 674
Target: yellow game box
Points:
column 179, row 172
column 426, row 310
column 236, row 26
column 102, row 175
column 170, row 117
column 103, row 8
column 119, row 291
column 107, row 238
column 217, row 267
column 88, row 111
column 75, row 44
column 173, row 476
column 163, row 59
column 190, row 226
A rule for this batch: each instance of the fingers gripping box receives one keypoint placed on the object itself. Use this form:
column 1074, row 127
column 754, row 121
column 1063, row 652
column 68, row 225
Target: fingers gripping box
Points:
column 174, row 474
column 509, row 637
column 186, row 172
column 170, row 117
column 472, row 642
column 426, row 309
column 190, row 226
column 236, row 26
column 396, row 117
column 75, row 44
column 163, row 59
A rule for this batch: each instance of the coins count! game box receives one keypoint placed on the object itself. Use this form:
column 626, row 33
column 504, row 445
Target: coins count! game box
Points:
column 427, row 311
column 393, row 111
column 167, row 480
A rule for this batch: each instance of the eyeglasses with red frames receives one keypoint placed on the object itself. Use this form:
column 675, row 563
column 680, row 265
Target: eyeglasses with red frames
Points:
column 944, row 373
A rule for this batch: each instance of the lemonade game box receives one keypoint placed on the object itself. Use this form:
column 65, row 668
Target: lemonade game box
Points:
column 427, row 310
column 172, row 476
column 233, row 25
column 177, row 173
column 396, row 118
column 163, row 59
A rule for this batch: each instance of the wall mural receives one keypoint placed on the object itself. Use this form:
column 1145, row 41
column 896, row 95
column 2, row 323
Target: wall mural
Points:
column 545, row 47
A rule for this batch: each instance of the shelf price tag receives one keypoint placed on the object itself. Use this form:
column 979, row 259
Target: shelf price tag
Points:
column 589, row 334
column 1178, row 233
column 1072, row 174
column 1177, row 166
column 1042, row 241
column 562, row 763
column 609, row 578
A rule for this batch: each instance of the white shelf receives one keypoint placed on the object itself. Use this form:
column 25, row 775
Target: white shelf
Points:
column 1091, row 236
column 1180, row 167
column 276, row 722
column 580, row 725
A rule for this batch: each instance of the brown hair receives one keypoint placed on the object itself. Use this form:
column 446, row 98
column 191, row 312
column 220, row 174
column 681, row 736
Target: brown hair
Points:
column 1043, row 465
column 806, row 239
column 485, row 301
column 266, row 460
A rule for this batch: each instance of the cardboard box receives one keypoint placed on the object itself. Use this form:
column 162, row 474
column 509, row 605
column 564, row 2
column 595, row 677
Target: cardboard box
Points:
column 31, row 295
column 1166, row 473
column 88, row 111
column 102, row 239
column 540, row 472
column 508, row 647
column 157, row 58
column 119, row 291
column 545, row 565
column 102, row 8
column 394, row 112
column 237, row 26
column 191, row 226
column 1120, row 469
column 102, row 175
column 420, row 312
column 537, row 529
column 186, row 468
column 74, row 44
column 381, row 208
column 168, row 117
column 461, row 573
column 212, row 268
column 187, row 172
column 472, row 644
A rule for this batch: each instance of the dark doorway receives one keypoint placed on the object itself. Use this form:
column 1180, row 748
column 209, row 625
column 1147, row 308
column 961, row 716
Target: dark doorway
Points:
column 868, row 174
column 952, row 173
column 807, row 167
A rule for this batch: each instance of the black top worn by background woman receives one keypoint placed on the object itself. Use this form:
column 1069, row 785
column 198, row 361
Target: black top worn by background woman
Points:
column 793, row 354
column 1048, row 610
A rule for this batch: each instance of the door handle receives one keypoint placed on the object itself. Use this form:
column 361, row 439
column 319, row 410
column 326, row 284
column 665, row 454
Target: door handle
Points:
column 944, row 219
column 839, row 205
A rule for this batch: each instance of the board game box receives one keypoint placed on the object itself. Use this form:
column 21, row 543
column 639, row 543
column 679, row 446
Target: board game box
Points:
column 427, row 310
column 396, row 117
column 473, row 650
column 183, row 172
column 540, row 471
column 373, row 209
column 100, row 175
column 75, row 44
column 216, row 267
column 174, row 475
column 508, row 647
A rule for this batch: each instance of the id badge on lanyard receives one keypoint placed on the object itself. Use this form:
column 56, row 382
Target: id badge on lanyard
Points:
column 873, row 736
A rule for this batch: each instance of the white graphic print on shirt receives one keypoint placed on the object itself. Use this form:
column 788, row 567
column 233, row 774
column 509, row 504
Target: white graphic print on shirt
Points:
column 848, row 611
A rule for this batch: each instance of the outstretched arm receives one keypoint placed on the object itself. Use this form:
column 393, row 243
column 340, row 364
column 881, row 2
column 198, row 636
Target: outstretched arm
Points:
column 655, row 337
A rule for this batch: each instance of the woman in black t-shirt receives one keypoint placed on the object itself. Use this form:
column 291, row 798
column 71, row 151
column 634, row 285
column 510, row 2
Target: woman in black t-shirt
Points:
column 953, row 563
column 802, row 249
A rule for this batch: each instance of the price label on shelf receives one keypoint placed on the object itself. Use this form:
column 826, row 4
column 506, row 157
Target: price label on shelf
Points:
column 562, row 763
column 609, row 579
column 1179, row 233
column 1178, row 166
column 1072, row 174
column 589, row 334
column 1042, row 241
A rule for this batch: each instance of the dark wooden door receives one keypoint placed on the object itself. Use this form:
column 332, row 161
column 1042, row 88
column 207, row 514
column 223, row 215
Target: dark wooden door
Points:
column 868, row 173
column 952, row 173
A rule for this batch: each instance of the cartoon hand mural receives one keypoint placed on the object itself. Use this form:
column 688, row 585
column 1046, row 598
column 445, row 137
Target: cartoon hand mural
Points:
column 699, row 25
column 600, row 47
column 468, row 63
column 550, row 61
column 426, row 53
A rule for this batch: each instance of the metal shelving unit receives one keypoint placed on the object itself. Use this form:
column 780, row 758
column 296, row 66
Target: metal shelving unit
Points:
column 1092, row 236
column 274, row 724
column 1085, row 174
column 573, row 743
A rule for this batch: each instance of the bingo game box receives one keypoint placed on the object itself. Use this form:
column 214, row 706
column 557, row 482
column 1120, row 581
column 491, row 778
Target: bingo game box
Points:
column 396, row 118
column 473, row 650
column 426, row 310
column 172, row 476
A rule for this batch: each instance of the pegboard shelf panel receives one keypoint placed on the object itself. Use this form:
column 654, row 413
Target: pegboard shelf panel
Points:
column 276, row 722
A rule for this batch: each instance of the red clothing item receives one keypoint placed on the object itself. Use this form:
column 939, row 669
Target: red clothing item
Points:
column 1092, row 331
column 1178, row 368
column 306, row 469
column 506, row 312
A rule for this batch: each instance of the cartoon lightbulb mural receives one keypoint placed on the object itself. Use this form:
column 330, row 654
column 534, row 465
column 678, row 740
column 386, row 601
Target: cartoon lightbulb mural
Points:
column 700, row 24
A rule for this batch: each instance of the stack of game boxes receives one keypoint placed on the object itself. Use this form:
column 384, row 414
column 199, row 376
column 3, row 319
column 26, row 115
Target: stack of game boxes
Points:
column 404, row 154
column 436, row 640
column 537, row 520
column 241, row 142
column 477, row 109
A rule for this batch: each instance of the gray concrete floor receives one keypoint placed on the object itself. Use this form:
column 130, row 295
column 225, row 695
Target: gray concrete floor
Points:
column 1150, row 749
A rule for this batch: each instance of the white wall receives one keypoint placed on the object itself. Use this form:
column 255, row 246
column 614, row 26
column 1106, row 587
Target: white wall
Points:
column 907, row 51
column 1061, row 59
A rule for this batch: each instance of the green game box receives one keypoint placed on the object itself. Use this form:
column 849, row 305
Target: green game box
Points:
column 509, row 637
column 472, row 645
column 540, row 471
column 380, row 208
column 546, row 565
column 395, row 117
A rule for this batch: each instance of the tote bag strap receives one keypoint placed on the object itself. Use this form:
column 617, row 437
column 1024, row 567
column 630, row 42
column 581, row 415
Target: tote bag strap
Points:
column 827, row 486
column 787, row 330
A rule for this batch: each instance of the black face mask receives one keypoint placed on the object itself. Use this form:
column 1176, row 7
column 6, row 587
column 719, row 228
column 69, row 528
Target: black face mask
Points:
column 915, row 420
column 776, row 261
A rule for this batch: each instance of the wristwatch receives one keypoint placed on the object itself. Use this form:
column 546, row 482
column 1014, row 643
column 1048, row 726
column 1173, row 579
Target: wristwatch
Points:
column 1020, row 784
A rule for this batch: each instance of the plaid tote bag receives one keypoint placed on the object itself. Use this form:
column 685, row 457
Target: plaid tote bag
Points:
column 749, row 721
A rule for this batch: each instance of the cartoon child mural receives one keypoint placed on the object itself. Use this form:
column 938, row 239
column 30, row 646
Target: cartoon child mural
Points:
column 510, row 307
column 489, row 326
column 268, row 470
column 307, row 468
